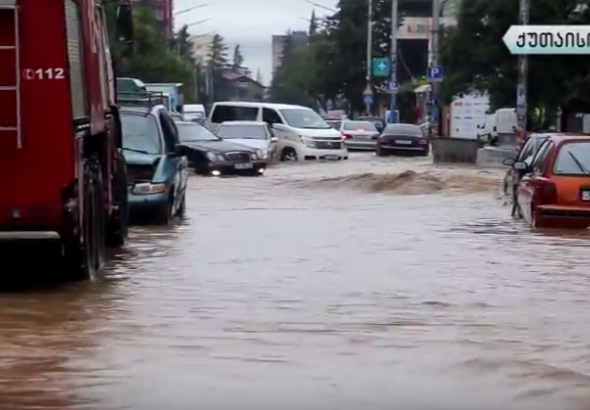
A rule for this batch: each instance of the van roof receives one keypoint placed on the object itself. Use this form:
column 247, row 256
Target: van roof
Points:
column 260, row 104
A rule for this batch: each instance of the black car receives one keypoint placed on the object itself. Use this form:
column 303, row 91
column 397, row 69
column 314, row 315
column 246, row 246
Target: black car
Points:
column 210, row 155
column 406, row 138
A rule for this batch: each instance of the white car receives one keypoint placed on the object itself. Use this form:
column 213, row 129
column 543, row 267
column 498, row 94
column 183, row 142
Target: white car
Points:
column 302, row 134
column 253, row 134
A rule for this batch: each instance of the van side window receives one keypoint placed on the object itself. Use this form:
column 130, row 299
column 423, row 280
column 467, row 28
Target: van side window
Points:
column 270, row 116
column 223, row 113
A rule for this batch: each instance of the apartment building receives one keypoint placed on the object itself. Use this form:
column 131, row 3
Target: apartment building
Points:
column 299, row 38
column 201, row 47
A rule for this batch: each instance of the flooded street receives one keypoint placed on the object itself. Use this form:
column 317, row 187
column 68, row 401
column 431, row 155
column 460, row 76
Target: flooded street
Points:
column 317, row 286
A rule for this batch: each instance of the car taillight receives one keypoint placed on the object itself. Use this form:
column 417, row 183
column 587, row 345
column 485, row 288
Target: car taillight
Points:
column 546, row 193
column 422, row 141
column 345, row 136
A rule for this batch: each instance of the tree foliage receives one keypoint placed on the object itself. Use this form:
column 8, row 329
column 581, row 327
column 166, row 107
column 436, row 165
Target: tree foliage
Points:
column 333, row 64
column 152, row 59
column 475, row 57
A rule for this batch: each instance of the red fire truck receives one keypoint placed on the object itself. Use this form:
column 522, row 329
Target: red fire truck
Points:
column 62, row 175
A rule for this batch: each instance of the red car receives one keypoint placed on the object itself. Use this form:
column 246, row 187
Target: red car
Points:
column 555, row 188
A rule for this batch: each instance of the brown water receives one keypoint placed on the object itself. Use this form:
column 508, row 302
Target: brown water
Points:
column 327, row 286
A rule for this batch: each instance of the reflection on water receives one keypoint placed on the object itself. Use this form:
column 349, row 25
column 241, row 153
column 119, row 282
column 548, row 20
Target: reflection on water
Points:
column 350, row 285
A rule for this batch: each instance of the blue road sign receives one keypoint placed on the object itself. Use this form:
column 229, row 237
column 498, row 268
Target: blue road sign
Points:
column 435, row 74
column 381, row 67
column 368, row 99
column 393, row 87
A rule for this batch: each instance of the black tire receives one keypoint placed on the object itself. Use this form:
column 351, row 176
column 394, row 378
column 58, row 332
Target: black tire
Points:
column 181, row 212
column 289, row 154
column 163, row 215
column 380, row 152
column 83, row 256
column 118, row 224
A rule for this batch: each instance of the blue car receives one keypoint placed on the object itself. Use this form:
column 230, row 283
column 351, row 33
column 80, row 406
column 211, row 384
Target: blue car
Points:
column 157, row 164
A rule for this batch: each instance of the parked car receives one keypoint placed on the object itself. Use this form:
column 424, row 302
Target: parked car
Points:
column 210, row 155
column 408, row 138
column 359, row 135
column 334, row 123
column 157, row 165
column 380, row 123
column 555, row 188
column 526, row 154
column 254, row 134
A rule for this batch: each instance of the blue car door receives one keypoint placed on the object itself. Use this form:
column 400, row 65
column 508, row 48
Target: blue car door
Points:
column 179, row 165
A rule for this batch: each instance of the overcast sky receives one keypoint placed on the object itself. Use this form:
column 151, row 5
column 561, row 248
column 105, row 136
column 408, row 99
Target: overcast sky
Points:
column 250, row 23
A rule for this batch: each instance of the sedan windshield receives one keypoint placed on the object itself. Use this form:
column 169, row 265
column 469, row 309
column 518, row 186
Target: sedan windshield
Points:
column 359, row 126
column 141, row 134
column 304, row 118
column 573, row 159
column 409, row 130
column 191, row 132
column 245, row 131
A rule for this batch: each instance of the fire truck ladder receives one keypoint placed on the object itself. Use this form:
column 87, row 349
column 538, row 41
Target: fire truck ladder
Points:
column 10, row 6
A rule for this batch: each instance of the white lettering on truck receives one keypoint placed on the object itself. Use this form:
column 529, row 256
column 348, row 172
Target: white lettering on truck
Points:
column 44, row 74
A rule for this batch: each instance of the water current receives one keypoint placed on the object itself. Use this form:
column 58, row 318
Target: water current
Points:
column 365, row 285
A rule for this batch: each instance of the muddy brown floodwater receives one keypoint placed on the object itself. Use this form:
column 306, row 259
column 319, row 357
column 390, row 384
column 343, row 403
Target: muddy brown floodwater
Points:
column 328, row 286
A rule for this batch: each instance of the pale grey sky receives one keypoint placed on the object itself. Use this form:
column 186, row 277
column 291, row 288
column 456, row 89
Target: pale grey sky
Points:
column 250, row 23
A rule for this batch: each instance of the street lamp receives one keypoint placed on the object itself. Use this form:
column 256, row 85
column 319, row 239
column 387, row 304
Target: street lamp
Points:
column 195, row 23
column 199, row 6
column 321, row 6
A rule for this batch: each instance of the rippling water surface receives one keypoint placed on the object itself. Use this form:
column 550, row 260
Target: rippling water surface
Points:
column 323, row 286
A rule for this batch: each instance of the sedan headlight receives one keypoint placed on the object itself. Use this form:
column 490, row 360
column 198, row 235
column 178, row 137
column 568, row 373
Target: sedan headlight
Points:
column 214, row 157
column 261, row 154
column 149, row 189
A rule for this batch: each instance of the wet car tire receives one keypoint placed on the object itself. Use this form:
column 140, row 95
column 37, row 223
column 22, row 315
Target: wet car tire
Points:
column 289, row 154
column 163, row 214
column 182, row 207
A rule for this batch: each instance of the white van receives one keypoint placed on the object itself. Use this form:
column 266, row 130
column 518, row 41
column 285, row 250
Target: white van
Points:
column 302, row 134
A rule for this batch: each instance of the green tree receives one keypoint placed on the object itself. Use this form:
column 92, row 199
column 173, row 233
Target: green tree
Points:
column 475, row 58
column 183, row 45
column 238, row 58
column 218, row 65
column 290, row 83
column 151, row 59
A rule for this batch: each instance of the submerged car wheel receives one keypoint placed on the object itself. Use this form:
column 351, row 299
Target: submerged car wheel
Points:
column 289, row 154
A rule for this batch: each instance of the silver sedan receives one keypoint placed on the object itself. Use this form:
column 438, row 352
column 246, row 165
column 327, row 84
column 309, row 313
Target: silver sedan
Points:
column 359, row 135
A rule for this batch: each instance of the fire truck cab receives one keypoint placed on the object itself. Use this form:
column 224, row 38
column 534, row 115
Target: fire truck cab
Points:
column 62, row 172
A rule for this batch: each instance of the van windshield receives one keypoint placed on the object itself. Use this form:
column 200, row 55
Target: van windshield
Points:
column 304, row 118
column 141, row 134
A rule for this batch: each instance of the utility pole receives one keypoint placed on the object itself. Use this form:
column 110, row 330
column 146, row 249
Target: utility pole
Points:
column 523, row 71
column 394, row 19
column 435, row 62
column 369, row 54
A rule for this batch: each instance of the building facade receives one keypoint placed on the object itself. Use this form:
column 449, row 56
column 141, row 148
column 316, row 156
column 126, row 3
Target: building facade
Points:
column 164, row 14
column 201, row 47
column 299, row 38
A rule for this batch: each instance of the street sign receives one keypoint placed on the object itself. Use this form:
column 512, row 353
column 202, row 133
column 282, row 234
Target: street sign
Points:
column 381, row 67
column 435, row 74
column 393, row 87
column 368, row 95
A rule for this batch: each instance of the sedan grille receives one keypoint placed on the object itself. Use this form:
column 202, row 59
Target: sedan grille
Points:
column 326, row 139
column 140, row 173
column 238, row 156
column 328, row 145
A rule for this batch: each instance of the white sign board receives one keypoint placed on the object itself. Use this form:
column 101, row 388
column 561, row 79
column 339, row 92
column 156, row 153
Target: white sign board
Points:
column 467, row 113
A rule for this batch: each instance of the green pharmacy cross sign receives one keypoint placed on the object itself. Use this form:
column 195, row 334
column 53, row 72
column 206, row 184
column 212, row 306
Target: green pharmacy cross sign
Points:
column 381, row 67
